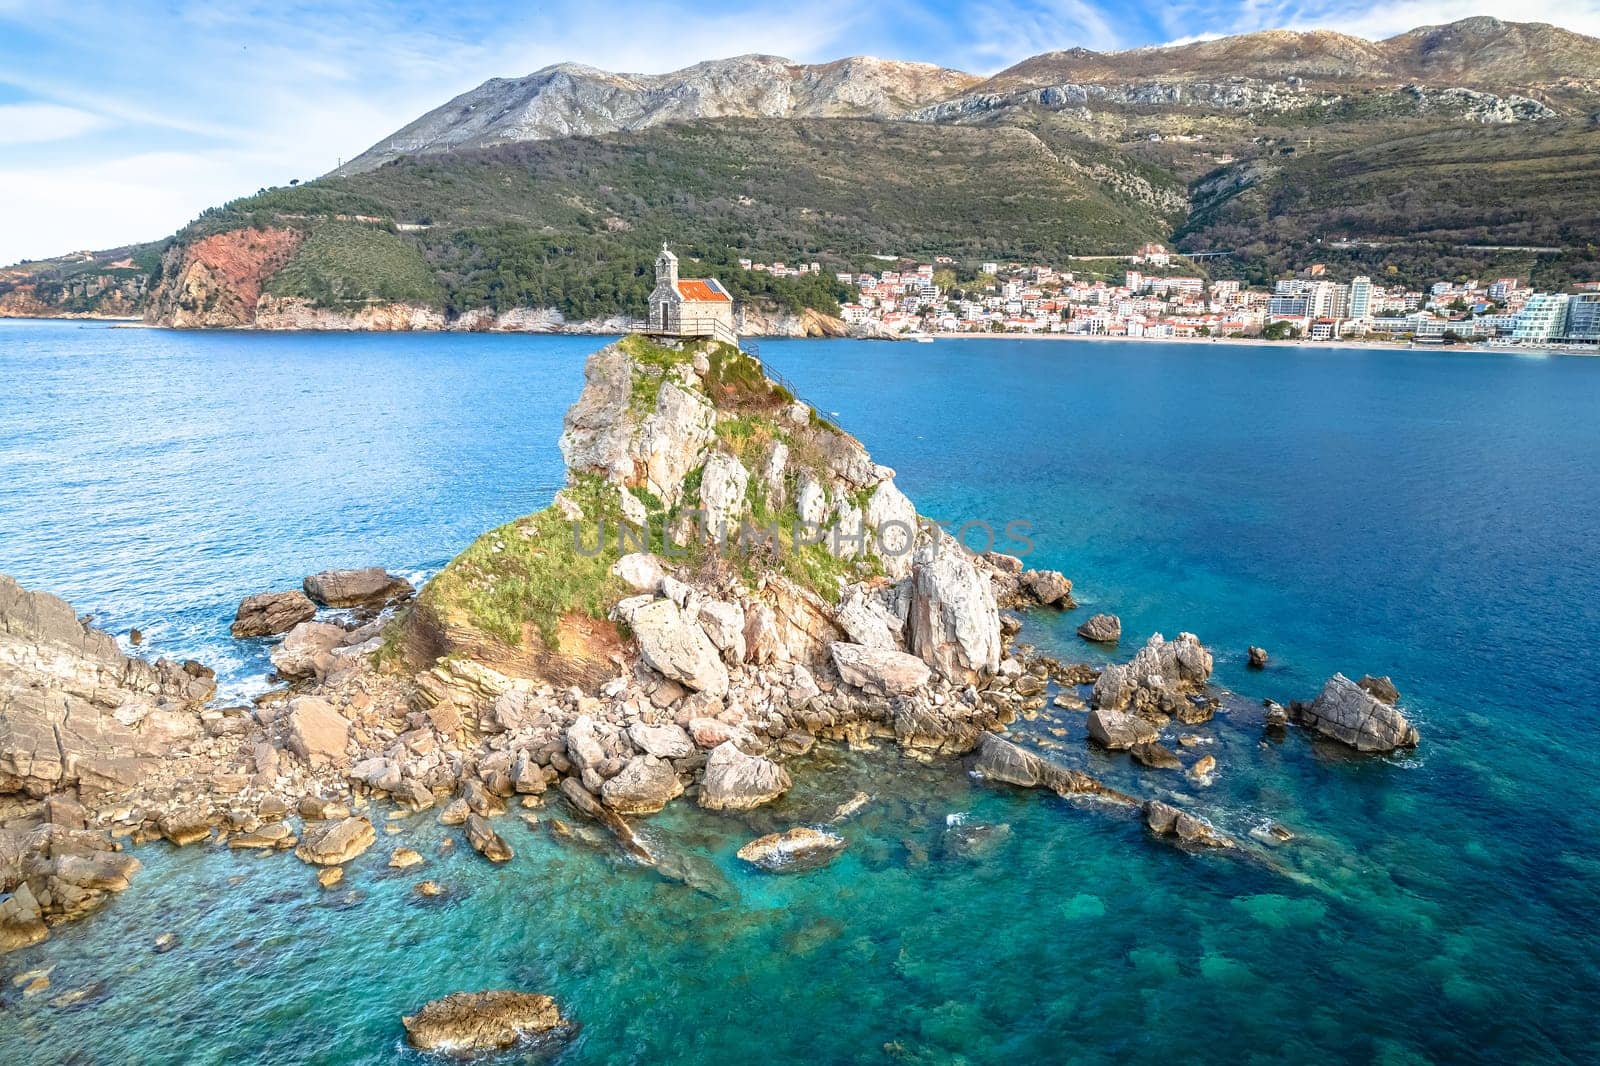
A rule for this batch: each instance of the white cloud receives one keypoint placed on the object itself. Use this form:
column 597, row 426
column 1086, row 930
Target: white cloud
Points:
column 123, row 200
column 34, row 122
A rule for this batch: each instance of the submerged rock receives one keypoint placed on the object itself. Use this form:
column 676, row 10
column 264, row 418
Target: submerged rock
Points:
column 793, row 850
column 484, row 840
column 1155, row 755
column 1351, row 714
column 481, row 1021
column 735, row 781
column 1001, row 760
column 272, row 612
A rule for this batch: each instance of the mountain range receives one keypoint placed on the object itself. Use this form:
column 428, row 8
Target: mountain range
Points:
column 1457, row 149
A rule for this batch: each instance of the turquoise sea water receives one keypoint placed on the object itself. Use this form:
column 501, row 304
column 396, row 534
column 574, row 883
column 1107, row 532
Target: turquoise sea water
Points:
column 1422, row 514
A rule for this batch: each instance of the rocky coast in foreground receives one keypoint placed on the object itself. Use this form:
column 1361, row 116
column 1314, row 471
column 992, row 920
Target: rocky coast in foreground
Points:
column 601, row 676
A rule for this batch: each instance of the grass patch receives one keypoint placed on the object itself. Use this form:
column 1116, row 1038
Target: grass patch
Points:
column 531, row 571
column 344, row 265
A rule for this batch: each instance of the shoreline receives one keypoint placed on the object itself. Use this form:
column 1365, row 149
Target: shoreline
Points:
column 133, row 322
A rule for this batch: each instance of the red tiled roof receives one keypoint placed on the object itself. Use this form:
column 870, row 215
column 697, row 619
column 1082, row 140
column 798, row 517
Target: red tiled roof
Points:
column 702, row 289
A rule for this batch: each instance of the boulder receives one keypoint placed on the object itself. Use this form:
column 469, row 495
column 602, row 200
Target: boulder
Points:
column 735, row 781
column 675, row 646
column 641, row 571
column 867, row 620
column 405, row 858
column 644, row 786
column 793, row 850
column 663, row 741
column 480, row 1021
column 1203, row 768
column 1050, row 588
column 1258, row 658
column 272, row 612
column 1118, row 731
column 723, row 623
column 336, row 843
column 488, row 843
column 954, row 624
column 879, row 671
column 1102, row 629
column 1351, row 714
column 317, row 733
column 303, row 648
column 368, row 587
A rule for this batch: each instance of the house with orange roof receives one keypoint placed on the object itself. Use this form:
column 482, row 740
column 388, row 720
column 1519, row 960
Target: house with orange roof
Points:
column 689, row 307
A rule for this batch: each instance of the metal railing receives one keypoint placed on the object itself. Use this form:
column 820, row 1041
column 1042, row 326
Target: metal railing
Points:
column 715, row 328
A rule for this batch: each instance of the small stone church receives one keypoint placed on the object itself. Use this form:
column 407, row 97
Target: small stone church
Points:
column 689, row 307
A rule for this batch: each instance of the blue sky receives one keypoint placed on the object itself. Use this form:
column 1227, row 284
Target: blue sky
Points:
column 120, row 121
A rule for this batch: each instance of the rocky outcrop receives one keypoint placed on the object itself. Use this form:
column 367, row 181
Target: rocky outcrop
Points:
column 1165, row 820
column 954, row 623
column 217, row 280
column 481, row 1021
column 793, row 850
column 1353, row 715
column 368, row 587
column 604, row 433
column 735, row 781
column 75, row 711
column 1157, row 678
column 270, row 613
column 570, row 99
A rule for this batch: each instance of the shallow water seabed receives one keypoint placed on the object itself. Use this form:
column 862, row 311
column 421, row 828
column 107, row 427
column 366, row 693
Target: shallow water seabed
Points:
column 1425, row 515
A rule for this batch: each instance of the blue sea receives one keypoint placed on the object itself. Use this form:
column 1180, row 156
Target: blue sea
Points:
column 1429, row 515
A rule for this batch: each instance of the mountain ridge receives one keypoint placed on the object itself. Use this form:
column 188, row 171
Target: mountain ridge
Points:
column 573, row 99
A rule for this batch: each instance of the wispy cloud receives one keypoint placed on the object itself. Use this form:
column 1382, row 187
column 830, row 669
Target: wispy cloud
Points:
column 30, row 123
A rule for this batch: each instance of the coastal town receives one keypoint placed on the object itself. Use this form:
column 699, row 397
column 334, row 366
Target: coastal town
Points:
column 1155, row 299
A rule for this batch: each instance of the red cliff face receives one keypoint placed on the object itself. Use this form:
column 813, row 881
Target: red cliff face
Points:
column 216, row 281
